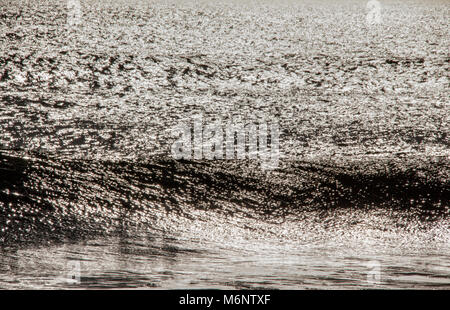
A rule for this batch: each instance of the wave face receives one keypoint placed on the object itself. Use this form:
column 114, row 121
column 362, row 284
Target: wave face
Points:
column 45, row 197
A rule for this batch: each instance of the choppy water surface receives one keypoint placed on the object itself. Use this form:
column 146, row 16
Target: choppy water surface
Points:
column 87, row 112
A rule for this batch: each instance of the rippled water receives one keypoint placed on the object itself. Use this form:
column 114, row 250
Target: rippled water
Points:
column 174, row 263
column 87, row 110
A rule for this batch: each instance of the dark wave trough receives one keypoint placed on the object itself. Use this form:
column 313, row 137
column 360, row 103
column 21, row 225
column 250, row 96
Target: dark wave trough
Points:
column 45, row 197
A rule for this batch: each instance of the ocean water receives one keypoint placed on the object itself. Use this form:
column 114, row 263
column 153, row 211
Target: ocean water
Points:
column 91, row 196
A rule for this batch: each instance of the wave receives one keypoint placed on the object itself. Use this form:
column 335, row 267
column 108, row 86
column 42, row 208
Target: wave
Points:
column 45, row 197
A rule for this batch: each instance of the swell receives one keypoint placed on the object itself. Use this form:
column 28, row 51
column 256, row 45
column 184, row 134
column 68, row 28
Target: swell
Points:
column 124, row 75
column 48, row 198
